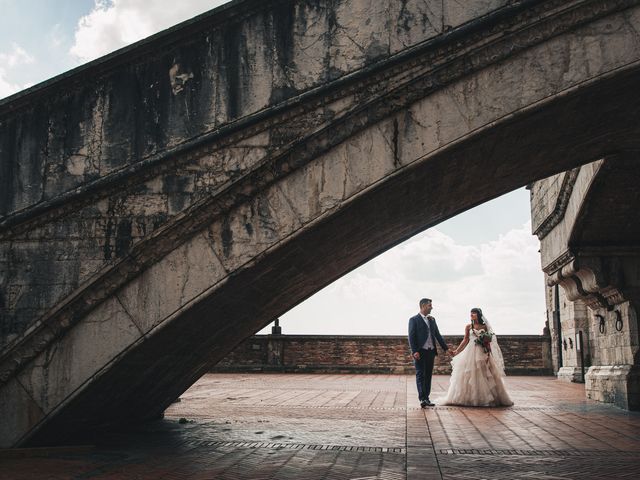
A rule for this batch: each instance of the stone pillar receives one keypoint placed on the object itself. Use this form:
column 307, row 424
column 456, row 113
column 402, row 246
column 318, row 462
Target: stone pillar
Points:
column 574, row 320
column 275, row 351
column 275, row 346
column 573, row 317
column 615, row 375
column 554, row 333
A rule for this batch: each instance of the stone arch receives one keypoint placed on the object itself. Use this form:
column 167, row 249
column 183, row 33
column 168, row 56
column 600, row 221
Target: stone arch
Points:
column 126, row 344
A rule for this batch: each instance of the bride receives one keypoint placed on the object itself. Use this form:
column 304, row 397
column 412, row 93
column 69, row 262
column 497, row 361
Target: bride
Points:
column 478, row 368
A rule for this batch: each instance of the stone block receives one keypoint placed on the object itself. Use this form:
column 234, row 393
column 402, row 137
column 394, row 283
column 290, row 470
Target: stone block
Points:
column 59, row 371
column 414, row 21
column 254, row 227
column 355, row 43
column 617, row 384
column 18, row 411
column 170, row 285
column 456, row 13
column 570, row 374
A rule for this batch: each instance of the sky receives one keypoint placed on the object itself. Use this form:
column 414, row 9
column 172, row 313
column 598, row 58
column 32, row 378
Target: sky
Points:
column 485, row 257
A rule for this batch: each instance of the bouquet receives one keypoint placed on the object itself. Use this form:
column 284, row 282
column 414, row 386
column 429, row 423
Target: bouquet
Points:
column 484, row 340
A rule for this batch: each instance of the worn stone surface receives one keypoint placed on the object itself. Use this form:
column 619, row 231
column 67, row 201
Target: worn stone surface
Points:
column 55, row 375
column 168, row 286
column 18, row 410
column 245, row 427
column 617, row 384
column 210, row 158
column 589, row 245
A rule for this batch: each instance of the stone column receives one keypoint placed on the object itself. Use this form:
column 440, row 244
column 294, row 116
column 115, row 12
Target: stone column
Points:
column 275, row 351
column 554, row 331
column 574, row 320
column 615, row 377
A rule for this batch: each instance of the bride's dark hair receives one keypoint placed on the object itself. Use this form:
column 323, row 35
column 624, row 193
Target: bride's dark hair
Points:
column 478, row 312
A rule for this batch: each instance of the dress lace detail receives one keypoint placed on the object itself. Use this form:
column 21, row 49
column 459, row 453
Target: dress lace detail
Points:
column 476, row 379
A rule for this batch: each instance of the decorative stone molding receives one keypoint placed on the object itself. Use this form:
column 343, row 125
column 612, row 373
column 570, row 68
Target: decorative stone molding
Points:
column 598, row 280
column 556, row 216
column 425, row 67
column 554, row 267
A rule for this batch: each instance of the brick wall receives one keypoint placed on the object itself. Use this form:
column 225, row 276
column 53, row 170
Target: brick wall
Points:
column 523, row 354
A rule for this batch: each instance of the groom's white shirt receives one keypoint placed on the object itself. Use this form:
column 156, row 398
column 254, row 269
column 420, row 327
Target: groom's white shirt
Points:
column 428, row 345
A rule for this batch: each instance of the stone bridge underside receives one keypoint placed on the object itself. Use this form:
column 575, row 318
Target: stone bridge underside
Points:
column 163, row 203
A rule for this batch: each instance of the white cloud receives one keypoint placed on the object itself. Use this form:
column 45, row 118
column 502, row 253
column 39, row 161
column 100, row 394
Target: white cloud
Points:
column 502, row 277
column 112, row 24
column 6, row 87
column 56, row 37
column 17, row 56
column 10, row 61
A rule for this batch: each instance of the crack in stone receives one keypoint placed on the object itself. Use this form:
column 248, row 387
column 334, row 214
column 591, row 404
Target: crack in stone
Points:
column 458, row 106
column 124, row 309
column 415, row 119
column 291, row 206
column 396, row 157
column 44, row 170
column 185, row 279
column 209, row 240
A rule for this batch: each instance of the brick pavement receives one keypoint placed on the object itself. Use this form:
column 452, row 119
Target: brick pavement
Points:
column 254, row 426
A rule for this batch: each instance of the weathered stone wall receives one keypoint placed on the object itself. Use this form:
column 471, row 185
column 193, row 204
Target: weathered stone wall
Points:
column 586, row 220
column 574, row 318
column 87, row 140
column 523, row 354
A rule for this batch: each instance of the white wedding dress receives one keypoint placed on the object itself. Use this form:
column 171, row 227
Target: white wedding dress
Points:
column 477, row 378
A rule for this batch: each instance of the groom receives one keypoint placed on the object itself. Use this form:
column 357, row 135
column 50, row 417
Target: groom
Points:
column 423, row 334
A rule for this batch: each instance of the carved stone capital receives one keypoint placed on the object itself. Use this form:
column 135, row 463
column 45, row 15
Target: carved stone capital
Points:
column 553, row 270
column 598, row 280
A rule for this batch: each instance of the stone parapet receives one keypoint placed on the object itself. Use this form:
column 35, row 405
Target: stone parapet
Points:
column 523, row 354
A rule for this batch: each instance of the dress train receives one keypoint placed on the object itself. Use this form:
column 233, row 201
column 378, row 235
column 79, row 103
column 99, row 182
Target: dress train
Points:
column 476, row 379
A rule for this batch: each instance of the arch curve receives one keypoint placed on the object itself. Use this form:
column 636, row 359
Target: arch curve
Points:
column 310, row 195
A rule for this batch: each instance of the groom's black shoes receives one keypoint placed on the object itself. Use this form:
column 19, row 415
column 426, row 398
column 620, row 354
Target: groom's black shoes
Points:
column 423, row 403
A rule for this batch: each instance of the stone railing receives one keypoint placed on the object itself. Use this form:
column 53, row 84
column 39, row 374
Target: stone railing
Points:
column 523, row 354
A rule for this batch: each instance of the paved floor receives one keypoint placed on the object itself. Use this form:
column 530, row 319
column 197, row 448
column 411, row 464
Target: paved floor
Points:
column 271, row 426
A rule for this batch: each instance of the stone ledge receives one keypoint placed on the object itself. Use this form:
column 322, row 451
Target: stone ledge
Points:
column 399, row 370
column 524, row 354
column 570, row 374
column 616, row 384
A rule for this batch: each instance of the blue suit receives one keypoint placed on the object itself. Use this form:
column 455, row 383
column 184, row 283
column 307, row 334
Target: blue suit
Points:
column 419, row 332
